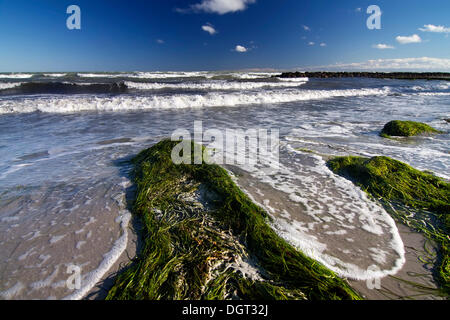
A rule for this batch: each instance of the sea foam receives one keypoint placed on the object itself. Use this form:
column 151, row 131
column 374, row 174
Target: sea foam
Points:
column 73, row 104
column 212, row 85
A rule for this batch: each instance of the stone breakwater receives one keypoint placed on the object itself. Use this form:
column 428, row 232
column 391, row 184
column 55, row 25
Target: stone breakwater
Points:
column 378, row 75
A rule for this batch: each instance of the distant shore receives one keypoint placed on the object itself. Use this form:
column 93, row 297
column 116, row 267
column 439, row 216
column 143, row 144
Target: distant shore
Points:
column 377, row 75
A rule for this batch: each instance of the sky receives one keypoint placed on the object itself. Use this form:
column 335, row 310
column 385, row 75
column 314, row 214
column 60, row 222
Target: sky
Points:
column 149, row 35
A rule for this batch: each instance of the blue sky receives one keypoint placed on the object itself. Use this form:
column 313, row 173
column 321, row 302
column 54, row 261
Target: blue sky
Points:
column 145, row 35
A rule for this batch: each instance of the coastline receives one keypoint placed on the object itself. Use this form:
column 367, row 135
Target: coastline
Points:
column 319, row 134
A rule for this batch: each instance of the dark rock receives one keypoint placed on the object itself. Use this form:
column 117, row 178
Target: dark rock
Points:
column 377, row 75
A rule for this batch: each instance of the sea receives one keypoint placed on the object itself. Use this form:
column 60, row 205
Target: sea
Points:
column 66, row 140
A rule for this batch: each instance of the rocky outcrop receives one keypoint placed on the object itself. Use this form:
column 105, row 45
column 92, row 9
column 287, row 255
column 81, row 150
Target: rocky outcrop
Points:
column 377, row 75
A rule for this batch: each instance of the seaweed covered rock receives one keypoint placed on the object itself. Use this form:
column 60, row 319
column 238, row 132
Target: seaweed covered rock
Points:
column 399, row 128
column 392, row 179
column 205, row 239
column 394, row 182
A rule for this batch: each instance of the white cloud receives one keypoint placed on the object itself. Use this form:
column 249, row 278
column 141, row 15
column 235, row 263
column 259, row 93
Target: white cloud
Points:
column 311, row 43
column 219, row 6
column 436, row 29
column 323, row 44
column 240, row 49
column 406, row 64
column 209, row 28
column 160, row 41
column 411, row 39
column 382, row 46
column 306, row 28
column 358, row 10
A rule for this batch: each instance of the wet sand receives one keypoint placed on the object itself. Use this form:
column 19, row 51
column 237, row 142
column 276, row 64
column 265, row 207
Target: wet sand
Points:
column 391, row 288
column 101, row 289
column 413, row 270
column 82, row 231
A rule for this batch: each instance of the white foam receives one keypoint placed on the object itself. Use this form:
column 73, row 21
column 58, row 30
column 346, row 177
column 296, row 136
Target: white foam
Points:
column 9, row 219
column 45, row 282
column 302, row 185
column 432, row 86
column 90, row 279
column 26, row 254
column 180, row 74
column 144, row 75
column 252, row 75
column 78, row 83
column 305, row 79
column 55, row 239
column 55, row 75
column 102, row 75
column 9, row 85
column 430, row 94
column 15, row 76
column 13, row 291
column 80, row 244
column 168, row 75
column 378, row 255
column 72, row 104
column 212, row 85
column 338, row 232
column 44, row 259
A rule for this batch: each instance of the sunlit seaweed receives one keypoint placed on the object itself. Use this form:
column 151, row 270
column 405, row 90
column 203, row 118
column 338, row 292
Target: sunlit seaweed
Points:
column 399, row 128
column 197, row 226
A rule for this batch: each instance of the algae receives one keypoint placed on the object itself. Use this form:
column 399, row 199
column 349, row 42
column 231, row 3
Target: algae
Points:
column 399, row 128
column 198, row 228
column 415, row 198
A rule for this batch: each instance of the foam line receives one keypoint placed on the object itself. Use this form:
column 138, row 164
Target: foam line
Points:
column 74, row 104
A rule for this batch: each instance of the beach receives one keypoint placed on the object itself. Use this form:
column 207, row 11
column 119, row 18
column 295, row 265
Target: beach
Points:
column 66, row 189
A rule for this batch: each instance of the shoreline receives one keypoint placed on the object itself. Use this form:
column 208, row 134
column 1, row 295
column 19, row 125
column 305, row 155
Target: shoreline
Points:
column 414, row 279
column 413, row 243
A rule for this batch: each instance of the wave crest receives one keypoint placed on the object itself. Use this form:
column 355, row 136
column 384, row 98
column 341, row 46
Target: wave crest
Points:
column 73, row 104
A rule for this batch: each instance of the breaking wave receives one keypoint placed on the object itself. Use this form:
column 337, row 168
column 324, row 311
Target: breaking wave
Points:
column 219, row 85
column 72, row 104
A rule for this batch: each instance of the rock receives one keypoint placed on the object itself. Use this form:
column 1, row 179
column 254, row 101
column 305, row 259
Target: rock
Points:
column 406, row 129
column 378, row 75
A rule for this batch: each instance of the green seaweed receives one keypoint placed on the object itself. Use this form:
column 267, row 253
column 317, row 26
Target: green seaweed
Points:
column 414, row 198
column 188, row 248
column 399, row 128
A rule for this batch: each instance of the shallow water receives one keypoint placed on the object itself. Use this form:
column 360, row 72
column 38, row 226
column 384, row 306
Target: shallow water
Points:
column 63, row 177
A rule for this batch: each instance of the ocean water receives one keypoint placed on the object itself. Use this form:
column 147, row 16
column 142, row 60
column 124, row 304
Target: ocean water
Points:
column 64, row 139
